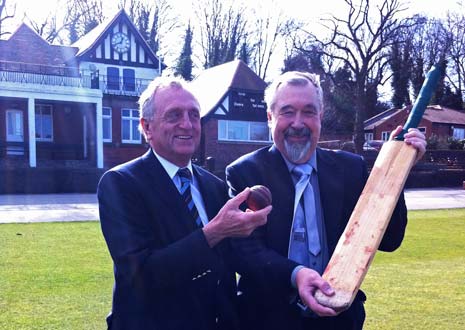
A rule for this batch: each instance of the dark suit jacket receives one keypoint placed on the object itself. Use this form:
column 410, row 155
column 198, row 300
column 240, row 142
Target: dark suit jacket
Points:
column 262, row 258
column 166, row 275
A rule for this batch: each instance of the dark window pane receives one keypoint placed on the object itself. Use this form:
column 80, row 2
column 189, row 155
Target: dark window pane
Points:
column 113, row 78
column 129, row 80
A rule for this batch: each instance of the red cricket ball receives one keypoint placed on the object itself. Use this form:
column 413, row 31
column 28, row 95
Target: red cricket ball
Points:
column 259, row 198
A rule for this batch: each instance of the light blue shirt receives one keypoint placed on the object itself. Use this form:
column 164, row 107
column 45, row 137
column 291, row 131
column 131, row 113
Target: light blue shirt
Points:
column 315, row 262
column 172, row 171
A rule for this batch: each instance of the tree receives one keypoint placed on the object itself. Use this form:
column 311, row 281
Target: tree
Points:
column 222, row 31
column 340, row 104
column 429, row 45
column 184, row 63
column 154, row 20
column 6, row 13
column 245, row 53
column 361, row 41
column 80, row 16
column 85, row 15
column 297, row 61
column 455, row 27
column 269, row 28
column 400, row 64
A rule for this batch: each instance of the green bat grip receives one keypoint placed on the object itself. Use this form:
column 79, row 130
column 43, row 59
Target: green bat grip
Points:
column 418, row 109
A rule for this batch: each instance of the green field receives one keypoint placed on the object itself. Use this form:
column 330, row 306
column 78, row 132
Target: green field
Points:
column 422, row 284
column 59, row 276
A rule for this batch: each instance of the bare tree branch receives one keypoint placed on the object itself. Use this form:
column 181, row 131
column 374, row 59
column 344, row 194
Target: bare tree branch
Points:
column 6, row 14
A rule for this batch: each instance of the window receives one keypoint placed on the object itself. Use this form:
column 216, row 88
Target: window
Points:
column 14, row 126
column 44, row 122
column 129, row 126
column 113, row 78
column 106, row 120
column 368, row 137
column 231, row 130
column 458, row 133
column 129, row 80
column 385, row 135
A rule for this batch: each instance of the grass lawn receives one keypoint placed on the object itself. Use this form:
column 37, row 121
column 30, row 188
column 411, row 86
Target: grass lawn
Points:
column 59, row 276
column 422, row 284
column 54, row 276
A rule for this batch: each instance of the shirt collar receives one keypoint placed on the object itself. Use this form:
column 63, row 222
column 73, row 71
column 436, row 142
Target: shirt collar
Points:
column 169, row 167
column 311, row 162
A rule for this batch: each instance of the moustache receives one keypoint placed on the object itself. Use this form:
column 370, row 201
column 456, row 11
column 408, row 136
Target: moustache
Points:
column 299, row 132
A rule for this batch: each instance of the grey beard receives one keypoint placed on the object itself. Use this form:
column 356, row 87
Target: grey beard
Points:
column 296, row 151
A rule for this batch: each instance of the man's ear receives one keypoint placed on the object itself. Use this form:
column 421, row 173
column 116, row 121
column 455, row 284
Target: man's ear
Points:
column 145, row 127
column 269, row 117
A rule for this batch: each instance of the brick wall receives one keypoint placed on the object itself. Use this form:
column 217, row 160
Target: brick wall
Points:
column 223, row 152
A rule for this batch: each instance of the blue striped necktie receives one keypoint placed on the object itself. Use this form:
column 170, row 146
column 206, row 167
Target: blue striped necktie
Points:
column 186, row 179
column 305, row 209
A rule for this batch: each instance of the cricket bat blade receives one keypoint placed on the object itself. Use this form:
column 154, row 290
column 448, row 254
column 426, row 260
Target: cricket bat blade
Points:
column 364, row 231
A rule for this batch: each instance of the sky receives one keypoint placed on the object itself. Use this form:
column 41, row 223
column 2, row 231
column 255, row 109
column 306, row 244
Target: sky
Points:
column 38, row 10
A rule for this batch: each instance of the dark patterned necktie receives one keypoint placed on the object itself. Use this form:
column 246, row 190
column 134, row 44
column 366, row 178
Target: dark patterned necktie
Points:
column 186, row 179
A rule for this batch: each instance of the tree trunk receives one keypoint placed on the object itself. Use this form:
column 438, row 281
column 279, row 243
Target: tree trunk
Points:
column 360, row 113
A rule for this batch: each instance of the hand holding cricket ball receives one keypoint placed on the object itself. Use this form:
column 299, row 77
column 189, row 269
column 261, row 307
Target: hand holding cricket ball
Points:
column 370, row 217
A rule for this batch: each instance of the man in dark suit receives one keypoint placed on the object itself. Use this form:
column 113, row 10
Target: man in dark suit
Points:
column 165, row 225
column 314, row 192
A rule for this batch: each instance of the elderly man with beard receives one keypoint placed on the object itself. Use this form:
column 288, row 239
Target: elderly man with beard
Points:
column 314, row 192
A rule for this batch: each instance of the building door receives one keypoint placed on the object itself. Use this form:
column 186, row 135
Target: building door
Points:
column 14, row 131
column 14, row 126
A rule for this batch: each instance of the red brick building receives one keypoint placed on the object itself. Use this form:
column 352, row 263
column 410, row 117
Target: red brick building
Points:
column 71, row 108
column 437, row 120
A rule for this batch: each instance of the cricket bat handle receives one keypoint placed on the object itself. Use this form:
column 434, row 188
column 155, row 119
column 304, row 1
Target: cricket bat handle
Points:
column 422, row 101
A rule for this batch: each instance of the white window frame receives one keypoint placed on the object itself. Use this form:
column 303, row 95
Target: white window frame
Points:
column 247, row 139
column 385, row 135
column 107, row 117
column 133, row 121
column 368, row 137
column 18, row 132
column 38, row 114
column 458, row 133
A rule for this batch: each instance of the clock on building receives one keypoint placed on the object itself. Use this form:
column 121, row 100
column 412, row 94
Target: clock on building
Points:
column 120, row 42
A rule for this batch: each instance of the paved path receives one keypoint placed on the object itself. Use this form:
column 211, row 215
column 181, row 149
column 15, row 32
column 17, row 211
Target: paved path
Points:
column 435, row 198
column 83, row 207
column 48, row 207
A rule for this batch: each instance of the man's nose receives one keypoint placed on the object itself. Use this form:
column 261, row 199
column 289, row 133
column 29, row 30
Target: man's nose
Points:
column 298, row 120
column 186, row 120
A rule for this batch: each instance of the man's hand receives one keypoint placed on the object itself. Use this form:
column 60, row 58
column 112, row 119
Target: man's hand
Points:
column 308, row 281
column 413, row 137
column 233, row 222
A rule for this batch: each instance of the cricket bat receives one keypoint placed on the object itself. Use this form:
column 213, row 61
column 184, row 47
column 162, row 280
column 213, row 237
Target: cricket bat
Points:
column 360, row 240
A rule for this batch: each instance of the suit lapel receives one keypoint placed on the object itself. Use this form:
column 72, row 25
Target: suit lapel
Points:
column 282, row 186
column 331, row 184
column 175, row 215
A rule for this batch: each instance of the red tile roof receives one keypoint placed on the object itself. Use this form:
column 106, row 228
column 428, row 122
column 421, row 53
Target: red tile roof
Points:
column 433, row 113
column 439, row 114
column 27, row 47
